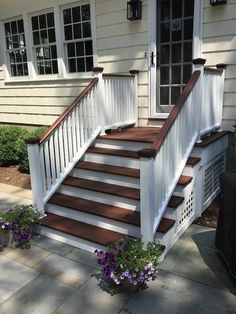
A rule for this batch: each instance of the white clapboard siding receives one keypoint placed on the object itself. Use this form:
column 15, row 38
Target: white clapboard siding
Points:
column 27, row 119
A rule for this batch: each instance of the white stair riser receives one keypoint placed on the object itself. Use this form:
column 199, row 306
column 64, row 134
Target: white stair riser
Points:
column 95, row 220
column 106, row 177
column 112, row 160
column 124, row 145
column 71, row 240
column 164, row 239
column 99, row 197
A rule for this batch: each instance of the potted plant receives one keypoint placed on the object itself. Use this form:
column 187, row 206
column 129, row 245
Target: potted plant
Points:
column 19, row 223
column 128, row 263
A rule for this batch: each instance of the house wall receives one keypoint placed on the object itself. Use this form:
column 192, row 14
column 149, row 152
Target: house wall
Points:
column 219, row 46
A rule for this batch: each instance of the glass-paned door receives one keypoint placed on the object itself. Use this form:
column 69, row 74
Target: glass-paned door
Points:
column 174, row 46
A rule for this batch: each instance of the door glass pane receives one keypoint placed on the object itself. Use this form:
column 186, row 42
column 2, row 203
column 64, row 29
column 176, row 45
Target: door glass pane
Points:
column 188, row 7
column 164, row 75
column 165, row 32
column 164, row 95
column 188, row 29
column 176, row 74
column 165, row 10
column 187, row 71
column 175, row 92
column 188, row 52
column 165, row 54
column 176, row 9
column 176, row 53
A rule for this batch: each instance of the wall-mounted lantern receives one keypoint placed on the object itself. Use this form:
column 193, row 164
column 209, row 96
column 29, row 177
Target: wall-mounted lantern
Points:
column 214, row 3
column 134, row 10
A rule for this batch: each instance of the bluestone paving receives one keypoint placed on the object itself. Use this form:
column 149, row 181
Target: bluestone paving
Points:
column 52, row 245
column 66, row 270
column 27, row 257
column 174, row 294
column 41, row 296
column 13, row 276
column 200, row 235
column 84, row 257
column 93, row 299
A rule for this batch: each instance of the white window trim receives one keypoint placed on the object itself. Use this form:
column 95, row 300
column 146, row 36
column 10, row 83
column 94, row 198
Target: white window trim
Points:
column 61, row 56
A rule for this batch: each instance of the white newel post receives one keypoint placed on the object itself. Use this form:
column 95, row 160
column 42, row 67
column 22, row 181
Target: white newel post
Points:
column 36, row 175
column 221, row 66
column 199, row 101
column 100, row 105
column 147, row 194
column 136, row 81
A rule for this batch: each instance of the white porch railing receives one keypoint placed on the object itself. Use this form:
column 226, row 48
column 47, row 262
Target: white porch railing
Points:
column 162, row 165
column 53, row 156
column 213, row 87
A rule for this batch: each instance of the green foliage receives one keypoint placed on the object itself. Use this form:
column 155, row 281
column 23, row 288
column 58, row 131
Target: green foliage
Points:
column 8, row 138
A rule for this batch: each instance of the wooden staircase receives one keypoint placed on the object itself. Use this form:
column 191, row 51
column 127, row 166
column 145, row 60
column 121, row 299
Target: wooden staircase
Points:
column 99, row 201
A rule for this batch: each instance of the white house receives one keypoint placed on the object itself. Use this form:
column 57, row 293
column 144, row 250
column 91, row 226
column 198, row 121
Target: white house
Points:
column 48, row 53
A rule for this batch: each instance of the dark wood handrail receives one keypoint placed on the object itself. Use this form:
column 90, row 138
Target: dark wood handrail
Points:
column 68, row 110
column 151, row 152
column 213, row 71
column 117, row 75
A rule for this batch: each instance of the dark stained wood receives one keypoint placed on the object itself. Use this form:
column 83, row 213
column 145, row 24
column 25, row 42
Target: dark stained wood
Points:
column 192, row 161
column 133, row 72
column 97, row 69
column 32, row 140
column 113, row 152
column 165, row 225
column 213, row 71
column 184, row 180
column 113, row 189
column 147, row 153
column 68, row 110
column 211, row 139
column 175, row 201
column 81, row 230
column 221, row 66
column 199, row 61
column 122, row 171
column 94, row 208
column 117, row 75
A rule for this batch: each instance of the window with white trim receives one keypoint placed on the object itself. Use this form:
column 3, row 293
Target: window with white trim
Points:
column 44, row 43
column 16, row 48
column 78, row 38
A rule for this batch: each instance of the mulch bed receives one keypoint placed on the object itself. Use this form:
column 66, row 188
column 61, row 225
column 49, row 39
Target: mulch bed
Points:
column 12, row 176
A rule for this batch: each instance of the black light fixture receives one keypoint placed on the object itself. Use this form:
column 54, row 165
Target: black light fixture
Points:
column 134, row 10
column 214, row 3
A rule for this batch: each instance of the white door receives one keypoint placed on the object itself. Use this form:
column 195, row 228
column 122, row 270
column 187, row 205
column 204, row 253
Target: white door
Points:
column 171, row 51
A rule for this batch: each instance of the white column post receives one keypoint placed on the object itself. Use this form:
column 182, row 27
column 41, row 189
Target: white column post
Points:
column 36, row 175
column 147, row 194
column 199, row 65
column 221, row 66
column 100, row 105
column 136, row 80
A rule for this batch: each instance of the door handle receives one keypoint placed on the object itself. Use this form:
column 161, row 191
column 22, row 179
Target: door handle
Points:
column 152, row 58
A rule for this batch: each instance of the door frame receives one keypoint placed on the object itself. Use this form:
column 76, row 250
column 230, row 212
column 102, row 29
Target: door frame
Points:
column 152, row 49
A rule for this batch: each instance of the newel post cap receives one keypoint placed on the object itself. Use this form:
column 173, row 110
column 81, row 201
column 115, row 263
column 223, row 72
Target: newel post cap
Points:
column 221, row 66
column 97, row 69
column 147, row 153
column 199, row 61
column 134, row 72
column 32, row 140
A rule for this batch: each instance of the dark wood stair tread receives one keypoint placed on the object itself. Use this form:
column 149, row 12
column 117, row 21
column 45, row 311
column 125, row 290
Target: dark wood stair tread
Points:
column 113, row 152
column 175, row 201
column 118, row 190
column 123, row 171
column 212, row 138
column 165, row 225
column 192, row 161
column 94, row 208
column 80, row 229
column 184, row 180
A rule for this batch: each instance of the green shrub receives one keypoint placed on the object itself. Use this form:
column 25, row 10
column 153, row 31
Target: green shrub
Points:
column 21, row 147
column 8, row 138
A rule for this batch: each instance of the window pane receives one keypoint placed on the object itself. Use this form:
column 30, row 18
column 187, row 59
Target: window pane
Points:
column 164, row 73
column 88, row 48
column 7, row 28
column 80, row 65
column 13, row 70
column 175, row 92
column 25, row 68
column 188, row 52
column 24, row 55
column 176, row 9
column 165, row 10
column 44, row 37
column 89, row 63
column 165, row 32
column 188, row 7
column 67, row 16
column 176, row 53
column 42, row 21
column 176, row 28
column 35, row 24
column 77, row 31
column 176, row 74
column 85, row 12
column 40, row 68
column 18, row 56
column 80, row 49
column 46, row 53
column 72, row 65
column 12, row 57
column 53, row 52
column 76, row 14
column 20, row 26
column 36, row 38
column 188, row 29
column 51, row 35
column 187, row 71
column 164, row 95
column 50, row 19
column 54, row 67
column 68, row 32
column 9, row 42
column 20, row 70
column 13, row 27
column 165, row 54
column 71, row 50
column 48, row 67
column 86, row 29
column 15, row 41
column 22, row 40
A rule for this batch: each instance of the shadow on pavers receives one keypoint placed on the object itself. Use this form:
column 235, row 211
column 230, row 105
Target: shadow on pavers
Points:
column 213, row 259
